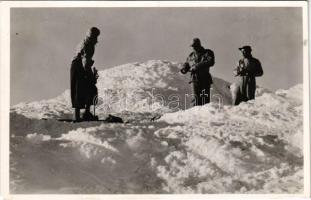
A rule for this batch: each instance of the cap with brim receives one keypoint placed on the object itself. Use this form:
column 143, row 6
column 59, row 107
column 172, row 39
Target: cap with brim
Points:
column 247, row 48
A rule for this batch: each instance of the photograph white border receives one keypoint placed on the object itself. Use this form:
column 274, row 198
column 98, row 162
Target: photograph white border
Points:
column 5, row 92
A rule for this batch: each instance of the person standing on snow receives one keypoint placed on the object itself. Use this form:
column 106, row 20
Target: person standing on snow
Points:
column 198, row 64
column 248, row 68
column 83, row 77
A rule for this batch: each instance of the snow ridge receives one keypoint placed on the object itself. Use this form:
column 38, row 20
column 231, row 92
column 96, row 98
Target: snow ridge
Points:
column 255, row 147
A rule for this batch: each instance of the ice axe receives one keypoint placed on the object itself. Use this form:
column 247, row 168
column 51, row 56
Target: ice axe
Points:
column 95, row 101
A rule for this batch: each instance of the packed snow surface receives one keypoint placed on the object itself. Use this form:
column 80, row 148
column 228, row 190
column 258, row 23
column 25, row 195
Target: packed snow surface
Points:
column 255, row 147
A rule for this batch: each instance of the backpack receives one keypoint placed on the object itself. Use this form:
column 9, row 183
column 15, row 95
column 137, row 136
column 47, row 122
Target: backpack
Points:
column 258, row 71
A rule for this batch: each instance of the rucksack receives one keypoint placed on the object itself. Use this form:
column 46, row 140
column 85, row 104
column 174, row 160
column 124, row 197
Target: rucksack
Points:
column 258, row 69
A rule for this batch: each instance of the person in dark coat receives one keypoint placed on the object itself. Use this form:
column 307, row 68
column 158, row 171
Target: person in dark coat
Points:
column 198, row 64
column 82, row 84
column 77, row 85
column 248, row 68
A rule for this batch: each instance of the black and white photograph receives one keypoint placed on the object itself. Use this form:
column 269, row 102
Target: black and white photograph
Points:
column 157, row 99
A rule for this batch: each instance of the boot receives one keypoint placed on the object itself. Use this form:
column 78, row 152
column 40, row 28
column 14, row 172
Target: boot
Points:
column 77, row 115
column 87, row 116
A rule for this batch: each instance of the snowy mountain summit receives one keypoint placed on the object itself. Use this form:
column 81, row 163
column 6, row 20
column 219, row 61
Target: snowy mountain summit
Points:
column 255, row 147
column 152, row 86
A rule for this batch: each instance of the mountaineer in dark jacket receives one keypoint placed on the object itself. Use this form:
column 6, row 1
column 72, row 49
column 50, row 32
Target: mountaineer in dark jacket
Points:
column 248, row 68
column 199, row 63
column 83, row 77
column 77, row 83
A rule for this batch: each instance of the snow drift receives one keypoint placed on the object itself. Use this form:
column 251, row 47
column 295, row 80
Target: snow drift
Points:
column 255, row 147
column 154, row 86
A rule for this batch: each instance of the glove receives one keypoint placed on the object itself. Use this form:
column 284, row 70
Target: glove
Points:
column 185, row 69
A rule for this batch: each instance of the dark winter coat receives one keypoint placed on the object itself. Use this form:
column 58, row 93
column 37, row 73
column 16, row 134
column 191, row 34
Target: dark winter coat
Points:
column 248, row 69
column 78, row 82
column 199, row 63
column 82, row 84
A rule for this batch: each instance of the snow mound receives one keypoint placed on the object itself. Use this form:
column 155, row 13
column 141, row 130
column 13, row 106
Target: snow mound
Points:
column 153, row 86
column 51, row 108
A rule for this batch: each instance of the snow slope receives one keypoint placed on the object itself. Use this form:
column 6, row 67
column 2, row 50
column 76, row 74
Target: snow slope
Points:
column 255, row 147
column 153, row 86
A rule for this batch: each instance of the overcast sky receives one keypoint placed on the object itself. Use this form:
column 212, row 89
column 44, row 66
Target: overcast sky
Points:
column 44, row 40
